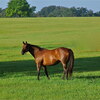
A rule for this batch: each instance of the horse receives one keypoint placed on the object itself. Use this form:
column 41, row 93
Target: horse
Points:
column 44, row 57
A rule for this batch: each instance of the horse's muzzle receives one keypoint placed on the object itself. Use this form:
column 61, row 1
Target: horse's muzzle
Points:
column 22, row 52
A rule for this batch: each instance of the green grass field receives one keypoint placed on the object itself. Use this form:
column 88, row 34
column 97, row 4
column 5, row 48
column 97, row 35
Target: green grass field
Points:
column 18, row 75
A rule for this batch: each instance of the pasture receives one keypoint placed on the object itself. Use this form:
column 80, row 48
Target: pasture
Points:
column 18, row 75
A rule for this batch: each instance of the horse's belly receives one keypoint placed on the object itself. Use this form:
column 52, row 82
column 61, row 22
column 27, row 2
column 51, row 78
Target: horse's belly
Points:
column 49, row 61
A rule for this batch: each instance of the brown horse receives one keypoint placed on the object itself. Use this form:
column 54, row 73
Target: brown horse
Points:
column 44, row 57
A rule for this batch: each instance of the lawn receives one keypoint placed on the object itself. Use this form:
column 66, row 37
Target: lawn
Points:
column 18, row 75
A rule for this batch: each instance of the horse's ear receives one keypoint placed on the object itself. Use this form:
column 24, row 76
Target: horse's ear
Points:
column 26, row 42
column 23, row 42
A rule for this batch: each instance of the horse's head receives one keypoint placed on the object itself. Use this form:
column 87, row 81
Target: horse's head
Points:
column 25, row 48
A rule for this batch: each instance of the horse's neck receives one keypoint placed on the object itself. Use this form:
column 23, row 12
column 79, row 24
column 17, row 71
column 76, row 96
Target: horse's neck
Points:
column 34, row 50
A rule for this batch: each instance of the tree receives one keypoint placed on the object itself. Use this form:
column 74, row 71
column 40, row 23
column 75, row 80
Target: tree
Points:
column 46, row 11
column 18, row 8
column 97, row 14
column 32, row 14
column 90, row 13
column 2, row 12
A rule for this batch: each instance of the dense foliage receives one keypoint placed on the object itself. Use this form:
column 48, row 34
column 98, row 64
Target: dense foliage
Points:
column 21, row 8
column 58, row 11
column 2, row 12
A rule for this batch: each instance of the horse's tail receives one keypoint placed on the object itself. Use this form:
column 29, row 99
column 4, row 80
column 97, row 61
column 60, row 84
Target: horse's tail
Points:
column 71, row 62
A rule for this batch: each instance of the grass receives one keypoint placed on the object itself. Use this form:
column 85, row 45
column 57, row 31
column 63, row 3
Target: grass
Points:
column 26, row 88
column 18, row 75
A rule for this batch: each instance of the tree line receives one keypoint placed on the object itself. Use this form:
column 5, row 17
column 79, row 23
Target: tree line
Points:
column 59, row 11
column 21, row 8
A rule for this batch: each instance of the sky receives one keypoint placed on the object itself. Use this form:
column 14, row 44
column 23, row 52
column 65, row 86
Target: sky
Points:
column 89, row 4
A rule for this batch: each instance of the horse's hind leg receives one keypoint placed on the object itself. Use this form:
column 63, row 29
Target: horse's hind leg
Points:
column 65, row 71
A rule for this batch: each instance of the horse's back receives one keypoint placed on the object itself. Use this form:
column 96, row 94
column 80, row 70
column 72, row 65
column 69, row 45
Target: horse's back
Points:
column 52, row 56
column 56, row 52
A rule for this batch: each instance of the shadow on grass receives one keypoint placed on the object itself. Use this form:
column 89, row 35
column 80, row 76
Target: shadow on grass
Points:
column 28, row 67
column 89, row 77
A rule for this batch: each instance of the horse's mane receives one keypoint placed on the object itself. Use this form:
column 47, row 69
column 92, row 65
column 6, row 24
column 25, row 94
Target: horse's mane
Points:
column 40, row 48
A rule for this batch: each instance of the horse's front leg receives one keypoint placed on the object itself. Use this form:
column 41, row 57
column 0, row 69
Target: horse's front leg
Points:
column 38, row 70
column 46, row 72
